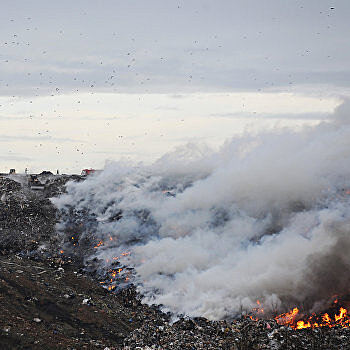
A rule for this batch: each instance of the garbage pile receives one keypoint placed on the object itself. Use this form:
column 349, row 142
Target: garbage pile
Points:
column 50, row 300
column 55, row 185
column 28, row 218
column 242, row 334
column 51, row 304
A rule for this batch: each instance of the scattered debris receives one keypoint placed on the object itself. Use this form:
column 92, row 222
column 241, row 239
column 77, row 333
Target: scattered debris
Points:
column 48, row 298
column 36, row 306
column 87, row 301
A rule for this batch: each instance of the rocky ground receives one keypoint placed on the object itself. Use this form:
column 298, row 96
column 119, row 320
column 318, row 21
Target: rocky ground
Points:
column 47, row 301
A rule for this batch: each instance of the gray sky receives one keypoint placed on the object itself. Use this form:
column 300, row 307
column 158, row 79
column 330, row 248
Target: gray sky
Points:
column 81, row 74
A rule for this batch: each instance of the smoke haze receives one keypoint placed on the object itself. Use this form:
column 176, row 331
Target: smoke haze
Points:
column 267, row 217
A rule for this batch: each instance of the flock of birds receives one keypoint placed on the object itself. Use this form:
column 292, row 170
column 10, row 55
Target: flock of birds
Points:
column 29, row 68
column 93, row 75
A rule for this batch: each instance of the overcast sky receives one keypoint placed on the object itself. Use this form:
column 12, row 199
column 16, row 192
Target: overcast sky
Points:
column 84, row 81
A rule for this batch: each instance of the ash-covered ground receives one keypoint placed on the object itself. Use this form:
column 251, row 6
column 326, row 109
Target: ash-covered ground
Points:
column 52, row 300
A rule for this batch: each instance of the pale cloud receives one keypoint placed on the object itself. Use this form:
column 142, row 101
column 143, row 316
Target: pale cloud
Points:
column 132, row 126
column 43, row 138
column 138, row 77
column 14, row 157
column 304, row 116
column 198, row 46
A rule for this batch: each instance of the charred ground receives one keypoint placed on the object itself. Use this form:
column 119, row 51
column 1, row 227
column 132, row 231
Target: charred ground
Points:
column 48, row 301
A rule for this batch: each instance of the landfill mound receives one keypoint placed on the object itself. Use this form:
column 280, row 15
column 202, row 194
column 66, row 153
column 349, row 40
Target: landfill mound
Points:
column 27, row 219
column 48, row 301
column 51, row 305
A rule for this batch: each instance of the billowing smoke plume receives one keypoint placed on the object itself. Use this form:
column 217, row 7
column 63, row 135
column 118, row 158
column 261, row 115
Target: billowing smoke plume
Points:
column 267, row 217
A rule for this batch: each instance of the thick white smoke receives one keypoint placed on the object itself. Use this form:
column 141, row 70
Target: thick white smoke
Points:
column 267, row 217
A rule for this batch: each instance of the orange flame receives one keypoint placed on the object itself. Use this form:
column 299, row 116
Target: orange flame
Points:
column 326, row 318
column 98, row 244
column 342, row 314
column 259, row 309
column 289, row 319
column 112, row 278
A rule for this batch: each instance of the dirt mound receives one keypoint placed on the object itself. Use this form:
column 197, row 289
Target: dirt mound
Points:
column 51, row 305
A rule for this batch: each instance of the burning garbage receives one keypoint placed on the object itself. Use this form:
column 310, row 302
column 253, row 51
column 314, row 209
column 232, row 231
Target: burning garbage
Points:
column 336, row 316
column 243, row 255
column 137, row 324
